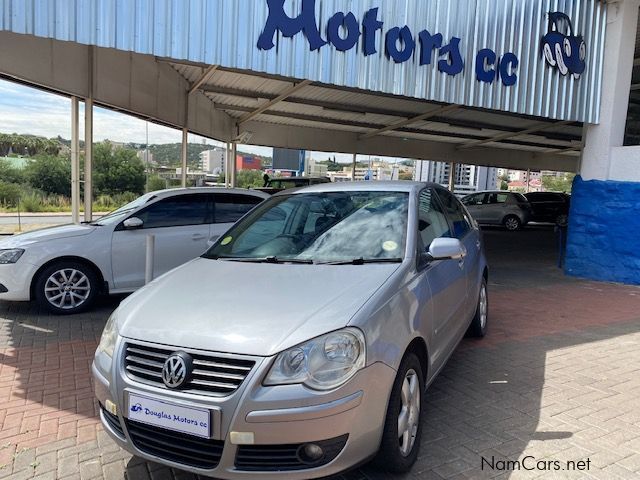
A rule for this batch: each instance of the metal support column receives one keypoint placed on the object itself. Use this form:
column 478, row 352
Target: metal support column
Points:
column 75, row 161
column 88, row 141
column 234, row 153
column 452, row 177
column 183, row 156
column 353, row 168
column 88, row 159
column 227, row 165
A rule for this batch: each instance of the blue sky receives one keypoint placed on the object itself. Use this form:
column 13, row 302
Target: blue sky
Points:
column 29, row 110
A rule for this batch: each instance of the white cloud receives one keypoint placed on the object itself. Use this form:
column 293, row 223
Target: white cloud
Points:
column 29, row 110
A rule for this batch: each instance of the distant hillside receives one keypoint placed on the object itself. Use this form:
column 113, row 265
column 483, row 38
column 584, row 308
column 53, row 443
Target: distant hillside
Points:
column 168, row 154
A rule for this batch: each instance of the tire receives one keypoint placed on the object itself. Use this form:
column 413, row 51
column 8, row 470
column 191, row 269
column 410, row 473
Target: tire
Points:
column 398, row 453
column 478, row 327
column 512, row 223
column 66, row 287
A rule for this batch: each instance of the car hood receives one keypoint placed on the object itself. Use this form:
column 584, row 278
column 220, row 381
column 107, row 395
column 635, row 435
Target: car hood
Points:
column 46, row 234
column 248, row 308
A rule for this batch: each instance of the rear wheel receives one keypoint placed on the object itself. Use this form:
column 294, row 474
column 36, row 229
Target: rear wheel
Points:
column 66, row 287
column 512, row 223
column 402, row 428
column 478, row 327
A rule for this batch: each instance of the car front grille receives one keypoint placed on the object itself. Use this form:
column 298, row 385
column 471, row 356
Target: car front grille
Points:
column 215, row 375
column 278, row 458
column 113, row 421
column 175, row 446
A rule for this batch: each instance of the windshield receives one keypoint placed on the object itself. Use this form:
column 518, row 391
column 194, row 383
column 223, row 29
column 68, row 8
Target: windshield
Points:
column 321, row 228
column 120, row 213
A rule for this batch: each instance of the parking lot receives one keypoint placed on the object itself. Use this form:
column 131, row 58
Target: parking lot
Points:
column 557, row 379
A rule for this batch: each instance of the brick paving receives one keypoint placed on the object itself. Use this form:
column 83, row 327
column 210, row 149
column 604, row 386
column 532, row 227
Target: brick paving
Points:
column 557, row 379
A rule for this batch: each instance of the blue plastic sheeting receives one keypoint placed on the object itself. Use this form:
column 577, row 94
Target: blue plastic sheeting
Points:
column 604, row 231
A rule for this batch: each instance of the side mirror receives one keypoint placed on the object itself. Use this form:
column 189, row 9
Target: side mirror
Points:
column 132, row 223
column 447, row 249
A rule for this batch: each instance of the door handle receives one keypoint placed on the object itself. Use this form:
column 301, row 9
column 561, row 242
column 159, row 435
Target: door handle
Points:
column 478, row 244
column 196, row 236
column 461, row 263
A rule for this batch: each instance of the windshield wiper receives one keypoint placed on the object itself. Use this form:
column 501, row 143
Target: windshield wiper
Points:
column 271, row 259
column 363, row 261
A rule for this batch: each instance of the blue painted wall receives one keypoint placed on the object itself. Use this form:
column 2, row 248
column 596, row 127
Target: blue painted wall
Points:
column 604, row 231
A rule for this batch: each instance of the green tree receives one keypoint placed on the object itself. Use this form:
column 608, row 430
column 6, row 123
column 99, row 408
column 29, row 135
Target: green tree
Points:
column 117, row 170
column 156, row 183
column 10, row 174
column 504, row 185
column 558, row 184
column 249, row 178
column 50, row 174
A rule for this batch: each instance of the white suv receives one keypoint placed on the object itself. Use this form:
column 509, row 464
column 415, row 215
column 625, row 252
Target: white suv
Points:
column 64, row 268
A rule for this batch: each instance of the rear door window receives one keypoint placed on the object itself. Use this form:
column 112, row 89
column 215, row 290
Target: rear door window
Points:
column 230, row 207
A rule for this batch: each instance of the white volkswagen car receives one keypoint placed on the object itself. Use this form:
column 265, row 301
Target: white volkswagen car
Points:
column 64, row 268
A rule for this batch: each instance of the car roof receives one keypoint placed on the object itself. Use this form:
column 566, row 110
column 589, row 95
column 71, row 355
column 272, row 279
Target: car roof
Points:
column 491, row 191
column 172, row 192
column 363, row 186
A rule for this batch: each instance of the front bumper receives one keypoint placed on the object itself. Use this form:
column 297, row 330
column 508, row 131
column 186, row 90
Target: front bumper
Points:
column 256, row 416
column 16, row 278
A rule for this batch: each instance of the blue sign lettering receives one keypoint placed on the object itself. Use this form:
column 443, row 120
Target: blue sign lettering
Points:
column 561, row 48
column 352, row 27
column 280, row 21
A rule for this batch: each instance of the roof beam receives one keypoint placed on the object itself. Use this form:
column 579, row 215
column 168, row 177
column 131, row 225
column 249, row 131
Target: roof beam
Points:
column 369, row 109
column 329, row 122
column 203, row 78
column 287, row 93
column 409, row 121
column 503, row 136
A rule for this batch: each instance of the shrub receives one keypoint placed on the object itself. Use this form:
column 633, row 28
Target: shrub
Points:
column 156, row 183
column 9, row 194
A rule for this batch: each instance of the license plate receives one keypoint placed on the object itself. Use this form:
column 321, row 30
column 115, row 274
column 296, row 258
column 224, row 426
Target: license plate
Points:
column 169, row 415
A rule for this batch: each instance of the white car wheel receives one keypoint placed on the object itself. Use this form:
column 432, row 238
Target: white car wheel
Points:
column 548, row 55
column 567, row 47
column 560, row 59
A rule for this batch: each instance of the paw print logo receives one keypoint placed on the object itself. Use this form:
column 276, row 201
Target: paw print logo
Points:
column 561, row 48
column 136, row 408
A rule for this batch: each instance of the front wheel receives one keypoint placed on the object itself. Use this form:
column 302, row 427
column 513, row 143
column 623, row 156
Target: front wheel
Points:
column 66, row 287
column 512, row 223
column 403, row 428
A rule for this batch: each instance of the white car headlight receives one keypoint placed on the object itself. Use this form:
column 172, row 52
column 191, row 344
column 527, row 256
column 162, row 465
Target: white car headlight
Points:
column 10, row 255
column 109, row 336
column 323, row 363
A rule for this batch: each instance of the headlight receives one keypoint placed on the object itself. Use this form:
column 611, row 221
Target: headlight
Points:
column 10, row 255
column 109, row 335
column 323, row 363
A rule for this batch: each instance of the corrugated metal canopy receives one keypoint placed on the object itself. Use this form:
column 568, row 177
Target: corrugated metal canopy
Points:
column 329, row 107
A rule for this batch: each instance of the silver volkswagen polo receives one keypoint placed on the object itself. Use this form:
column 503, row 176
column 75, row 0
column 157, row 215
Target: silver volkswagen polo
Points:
column 302, row 342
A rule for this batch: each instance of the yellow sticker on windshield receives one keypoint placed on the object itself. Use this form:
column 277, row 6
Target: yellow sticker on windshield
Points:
column 389, row 246
column 226, row 241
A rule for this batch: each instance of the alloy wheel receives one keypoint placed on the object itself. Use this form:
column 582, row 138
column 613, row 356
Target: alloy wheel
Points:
column 512, row 223
column 409, row 416
column 483, row 306
column 67, row 288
